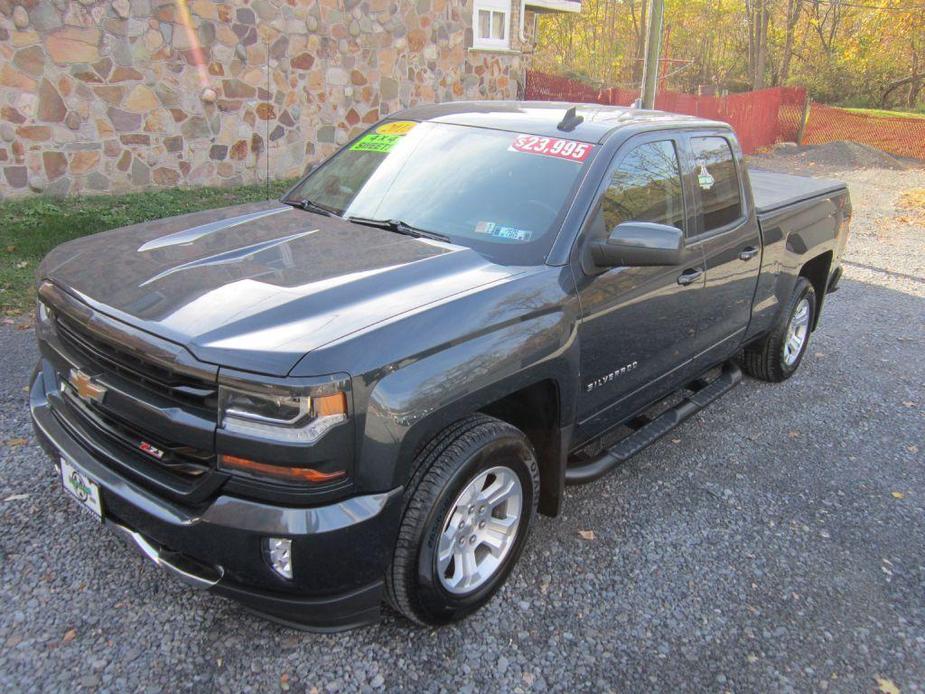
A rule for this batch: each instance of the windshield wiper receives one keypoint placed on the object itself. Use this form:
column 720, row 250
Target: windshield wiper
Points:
column 311, row 206
column 400, row 227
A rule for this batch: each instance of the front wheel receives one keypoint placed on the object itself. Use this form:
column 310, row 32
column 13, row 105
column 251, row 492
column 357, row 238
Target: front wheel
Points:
column 777, row 357
column 468, row 512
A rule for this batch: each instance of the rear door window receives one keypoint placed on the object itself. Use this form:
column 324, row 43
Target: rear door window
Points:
column 717, row 182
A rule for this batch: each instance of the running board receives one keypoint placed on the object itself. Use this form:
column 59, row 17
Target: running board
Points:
column 704, row 393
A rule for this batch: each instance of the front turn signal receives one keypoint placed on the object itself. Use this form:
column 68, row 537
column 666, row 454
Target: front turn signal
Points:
column 280, row 472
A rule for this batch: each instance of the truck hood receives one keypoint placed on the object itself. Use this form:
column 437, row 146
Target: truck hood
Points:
column 256, row 287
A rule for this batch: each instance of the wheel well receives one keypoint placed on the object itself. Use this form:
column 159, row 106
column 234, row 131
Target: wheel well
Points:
column 817, row 272
column 535, row 411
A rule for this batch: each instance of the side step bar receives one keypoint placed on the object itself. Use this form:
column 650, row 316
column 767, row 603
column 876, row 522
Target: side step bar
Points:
column 703, row 395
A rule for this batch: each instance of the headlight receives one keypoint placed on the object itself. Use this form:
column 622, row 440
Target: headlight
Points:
column 282, row 410
column 301, row 415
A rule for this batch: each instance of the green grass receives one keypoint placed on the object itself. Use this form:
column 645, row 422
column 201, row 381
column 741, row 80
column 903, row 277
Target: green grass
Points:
column 885, row 113
column 31, row 227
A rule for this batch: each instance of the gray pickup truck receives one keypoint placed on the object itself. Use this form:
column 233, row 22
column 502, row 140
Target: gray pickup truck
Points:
column 363, row 392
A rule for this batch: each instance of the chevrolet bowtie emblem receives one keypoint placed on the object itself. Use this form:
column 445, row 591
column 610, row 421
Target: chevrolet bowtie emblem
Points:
column 85, row 387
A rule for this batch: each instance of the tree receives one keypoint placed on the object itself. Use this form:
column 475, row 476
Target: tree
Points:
column 854, row 52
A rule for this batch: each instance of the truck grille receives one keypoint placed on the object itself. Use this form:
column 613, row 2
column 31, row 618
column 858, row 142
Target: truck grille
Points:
column 156, row 419
column 109, row 357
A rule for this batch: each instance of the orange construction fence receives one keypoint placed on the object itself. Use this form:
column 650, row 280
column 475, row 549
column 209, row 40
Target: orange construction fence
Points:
column 899, row 135
column 760, row 118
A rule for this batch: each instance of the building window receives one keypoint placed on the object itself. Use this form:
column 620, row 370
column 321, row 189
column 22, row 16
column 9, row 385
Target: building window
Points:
column 491, row 21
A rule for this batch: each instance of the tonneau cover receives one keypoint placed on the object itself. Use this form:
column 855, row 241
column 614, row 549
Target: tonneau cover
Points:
column 773, row 190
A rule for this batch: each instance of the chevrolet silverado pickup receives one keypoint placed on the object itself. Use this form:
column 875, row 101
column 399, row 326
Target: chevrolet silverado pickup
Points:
column 361, row 394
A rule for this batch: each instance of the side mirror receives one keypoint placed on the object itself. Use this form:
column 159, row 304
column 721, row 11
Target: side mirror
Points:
column 639, row 244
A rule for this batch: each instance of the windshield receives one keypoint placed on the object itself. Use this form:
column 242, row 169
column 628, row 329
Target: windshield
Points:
column 500, row 193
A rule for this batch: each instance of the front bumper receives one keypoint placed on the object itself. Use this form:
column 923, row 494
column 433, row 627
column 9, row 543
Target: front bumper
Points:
column 340, row 551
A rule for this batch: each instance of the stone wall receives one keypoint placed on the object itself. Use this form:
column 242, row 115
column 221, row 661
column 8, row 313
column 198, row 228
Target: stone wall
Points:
column 99, row 96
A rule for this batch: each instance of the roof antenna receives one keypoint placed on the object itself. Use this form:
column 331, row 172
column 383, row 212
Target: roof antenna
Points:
column 570, row 121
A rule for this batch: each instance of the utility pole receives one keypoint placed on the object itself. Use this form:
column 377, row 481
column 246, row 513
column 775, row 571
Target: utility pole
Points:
column 653, row 50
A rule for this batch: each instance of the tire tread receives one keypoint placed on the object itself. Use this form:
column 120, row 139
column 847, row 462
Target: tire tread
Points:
column 761, row 360
column 433, row 467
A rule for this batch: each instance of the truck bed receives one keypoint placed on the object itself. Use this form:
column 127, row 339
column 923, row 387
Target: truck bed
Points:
column 773, row 191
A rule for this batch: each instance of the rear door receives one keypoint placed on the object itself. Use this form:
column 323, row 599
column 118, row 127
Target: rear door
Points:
column 638, row 330
column 728, row 232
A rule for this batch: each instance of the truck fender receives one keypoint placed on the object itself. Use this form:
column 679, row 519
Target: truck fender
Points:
column 411, row 404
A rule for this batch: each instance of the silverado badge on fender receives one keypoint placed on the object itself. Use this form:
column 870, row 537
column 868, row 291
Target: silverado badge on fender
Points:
column 598, row 382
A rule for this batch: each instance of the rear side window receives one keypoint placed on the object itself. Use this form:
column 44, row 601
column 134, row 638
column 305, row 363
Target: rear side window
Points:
column 645, row 187
column 717, row 181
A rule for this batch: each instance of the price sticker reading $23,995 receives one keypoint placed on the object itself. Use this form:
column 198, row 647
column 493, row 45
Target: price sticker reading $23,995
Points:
column 552, row 147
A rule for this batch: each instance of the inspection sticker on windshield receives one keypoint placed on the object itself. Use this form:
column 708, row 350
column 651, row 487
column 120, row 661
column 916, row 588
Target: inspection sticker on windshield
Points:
column 551, row 147
column 374, row 142
column 396, row 127
column 503, row 232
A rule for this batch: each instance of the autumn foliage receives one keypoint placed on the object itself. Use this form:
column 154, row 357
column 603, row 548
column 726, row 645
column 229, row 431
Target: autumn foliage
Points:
column 847, row 52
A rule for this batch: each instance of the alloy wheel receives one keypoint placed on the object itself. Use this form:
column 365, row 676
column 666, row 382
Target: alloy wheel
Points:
column 480, row 529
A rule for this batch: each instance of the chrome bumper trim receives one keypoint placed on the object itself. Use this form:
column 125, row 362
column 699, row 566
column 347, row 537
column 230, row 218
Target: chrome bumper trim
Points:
column 191, row 573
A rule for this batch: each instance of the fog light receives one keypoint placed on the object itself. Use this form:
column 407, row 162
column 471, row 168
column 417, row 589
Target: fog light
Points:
column 279, row 550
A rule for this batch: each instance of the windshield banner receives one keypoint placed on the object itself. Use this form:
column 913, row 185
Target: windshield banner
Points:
column 375, row 142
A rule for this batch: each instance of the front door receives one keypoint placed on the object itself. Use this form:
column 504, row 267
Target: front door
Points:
column 639, row 324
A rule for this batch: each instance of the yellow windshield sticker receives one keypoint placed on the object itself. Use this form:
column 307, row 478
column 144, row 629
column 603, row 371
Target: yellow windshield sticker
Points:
column 375, row 142
column 398, row 127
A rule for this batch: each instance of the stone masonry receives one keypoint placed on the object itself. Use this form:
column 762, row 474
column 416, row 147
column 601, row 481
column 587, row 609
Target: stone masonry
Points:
column 100, row 96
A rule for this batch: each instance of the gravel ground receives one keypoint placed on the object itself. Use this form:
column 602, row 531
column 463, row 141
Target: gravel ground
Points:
column 776, row 541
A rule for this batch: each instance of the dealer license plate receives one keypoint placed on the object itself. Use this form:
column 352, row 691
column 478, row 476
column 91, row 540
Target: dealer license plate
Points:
column 82, row 488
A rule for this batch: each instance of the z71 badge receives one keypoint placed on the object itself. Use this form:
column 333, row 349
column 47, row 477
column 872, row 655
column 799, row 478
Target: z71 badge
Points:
column 616, row 373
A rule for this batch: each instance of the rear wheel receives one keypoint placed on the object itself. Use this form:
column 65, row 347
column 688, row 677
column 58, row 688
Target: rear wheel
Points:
column 777, row 357
column 467, row 516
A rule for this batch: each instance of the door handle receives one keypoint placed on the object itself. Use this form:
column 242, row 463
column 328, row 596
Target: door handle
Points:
column 748, row 253
column 689, row 276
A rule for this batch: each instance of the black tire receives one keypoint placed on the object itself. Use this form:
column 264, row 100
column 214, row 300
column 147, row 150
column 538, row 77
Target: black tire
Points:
column 765, row 359
column 453, row 459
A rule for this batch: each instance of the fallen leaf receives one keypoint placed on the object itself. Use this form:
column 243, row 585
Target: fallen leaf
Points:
column 17, row 497
column 11, row 249
column 586, row 534
column 886, row 685
column 69, row 636
column 898, row 495
column 908, row 403
column 17, row 441
column 913, row 448
column 794, row 434
column 284, row 682
column 529, row 679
